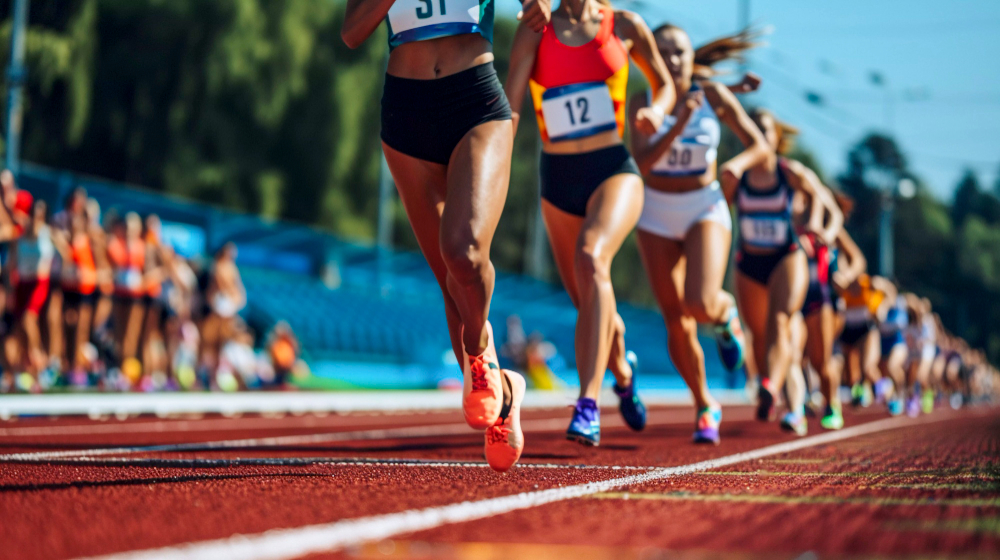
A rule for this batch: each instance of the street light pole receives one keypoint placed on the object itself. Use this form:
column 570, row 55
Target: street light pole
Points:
column 16, row 77
column 886, row 239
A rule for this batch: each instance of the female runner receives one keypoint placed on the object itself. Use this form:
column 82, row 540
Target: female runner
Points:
column 892, row 366
column 447, row 138
column 866, row 302
column 685, row 229
column 773, row 273
column 79, row 286
column 921, row 338
column 577, row 69
column 829, row 267
column 818, row 303
column 32, row 260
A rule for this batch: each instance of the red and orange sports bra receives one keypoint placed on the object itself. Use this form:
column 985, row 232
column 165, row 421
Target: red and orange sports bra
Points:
column 580, row 91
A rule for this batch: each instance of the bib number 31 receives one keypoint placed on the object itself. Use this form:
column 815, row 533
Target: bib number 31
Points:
column 427, row 10
column 578, row 111
column 416, row 20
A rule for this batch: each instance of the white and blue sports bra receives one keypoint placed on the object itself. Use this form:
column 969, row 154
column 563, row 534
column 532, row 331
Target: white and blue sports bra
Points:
column 695, row 149
column 421, row 20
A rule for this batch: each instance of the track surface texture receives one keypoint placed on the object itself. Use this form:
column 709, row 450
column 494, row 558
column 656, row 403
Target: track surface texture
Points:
column 416, row 486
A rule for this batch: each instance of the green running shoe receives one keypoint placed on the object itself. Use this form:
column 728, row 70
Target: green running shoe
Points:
column 833, row 418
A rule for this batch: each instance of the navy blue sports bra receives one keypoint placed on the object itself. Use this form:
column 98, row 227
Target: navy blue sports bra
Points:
column 765, row 217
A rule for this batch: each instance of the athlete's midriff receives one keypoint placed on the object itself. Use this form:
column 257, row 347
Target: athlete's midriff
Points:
column 437, row 58
column 681, row 184
column 589, row 144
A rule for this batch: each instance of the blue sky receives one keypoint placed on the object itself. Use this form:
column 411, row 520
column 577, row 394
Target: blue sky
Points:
column 938, row 59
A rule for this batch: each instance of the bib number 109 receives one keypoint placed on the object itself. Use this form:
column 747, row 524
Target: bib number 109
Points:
column 427, row 10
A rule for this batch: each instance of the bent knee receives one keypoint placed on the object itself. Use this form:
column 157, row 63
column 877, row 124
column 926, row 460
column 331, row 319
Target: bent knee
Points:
column 590, row 267
column 464, row 257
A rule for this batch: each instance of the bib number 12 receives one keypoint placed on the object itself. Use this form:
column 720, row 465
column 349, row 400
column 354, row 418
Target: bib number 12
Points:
column 584, row 108
column 427, row 11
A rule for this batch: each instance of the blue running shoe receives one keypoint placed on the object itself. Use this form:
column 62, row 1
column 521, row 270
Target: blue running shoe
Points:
column 795, row 422
column 585, row 427
column 706, row 429
column 896, row 406
column 731, row 342
column 632, row 409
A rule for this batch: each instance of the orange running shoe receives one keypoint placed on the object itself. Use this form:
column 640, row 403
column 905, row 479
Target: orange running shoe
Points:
column 504, row 440
column 482, row 395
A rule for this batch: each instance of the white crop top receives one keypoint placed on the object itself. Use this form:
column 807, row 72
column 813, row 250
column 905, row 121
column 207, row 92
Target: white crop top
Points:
column 695, row 149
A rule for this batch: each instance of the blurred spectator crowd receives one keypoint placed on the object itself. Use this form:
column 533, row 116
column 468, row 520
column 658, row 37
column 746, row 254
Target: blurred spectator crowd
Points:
column 101, row 302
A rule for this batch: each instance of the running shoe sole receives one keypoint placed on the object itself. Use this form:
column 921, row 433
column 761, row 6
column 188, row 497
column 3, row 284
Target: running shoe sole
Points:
column 505, row 440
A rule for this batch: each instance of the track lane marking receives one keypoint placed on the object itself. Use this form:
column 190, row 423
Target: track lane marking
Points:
column 197, row 462
column 286, row 544
column 662, row 418
column 270, row 423
column 799, row 500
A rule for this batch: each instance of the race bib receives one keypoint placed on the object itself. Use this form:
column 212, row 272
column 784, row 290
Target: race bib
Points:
column 578, row 111
column 418, row 20
column 685, row 159
column 692, row 153
column 857, row 315
column 764, row 231
column 130, row 279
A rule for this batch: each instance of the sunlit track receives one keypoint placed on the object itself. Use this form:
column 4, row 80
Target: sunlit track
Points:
column 276, row 424
column 661, row 418
column 285, row 544
column 201, row 463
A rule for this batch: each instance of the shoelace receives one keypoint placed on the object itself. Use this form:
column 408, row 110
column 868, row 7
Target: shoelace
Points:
column 477, row 367
column 706, row 420
column 497, row 434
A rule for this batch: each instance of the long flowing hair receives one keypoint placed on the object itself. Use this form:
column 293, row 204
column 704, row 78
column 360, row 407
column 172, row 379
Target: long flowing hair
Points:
column 729, row 47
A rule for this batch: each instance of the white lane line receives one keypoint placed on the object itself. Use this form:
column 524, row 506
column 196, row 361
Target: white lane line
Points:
column 196, row 462
column 199, row 425
column 284, row 544
column 662, row 418
column 257, row 424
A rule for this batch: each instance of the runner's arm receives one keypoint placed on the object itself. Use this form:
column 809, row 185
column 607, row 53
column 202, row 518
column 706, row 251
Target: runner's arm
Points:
column 647, row 57
column 857, row 263
column 755, row 147
column 522, row 61
column 890, row 291
column 821, row 202
column 646, row 153
column 362, row 18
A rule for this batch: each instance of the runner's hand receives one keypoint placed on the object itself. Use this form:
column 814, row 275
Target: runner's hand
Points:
column 749, row 84
column 648, row 120
column 536, row 14
column 691, row 102
column 729, row 177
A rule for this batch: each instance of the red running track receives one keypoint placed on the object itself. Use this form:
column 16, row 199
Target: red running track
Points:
column 904, row 488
